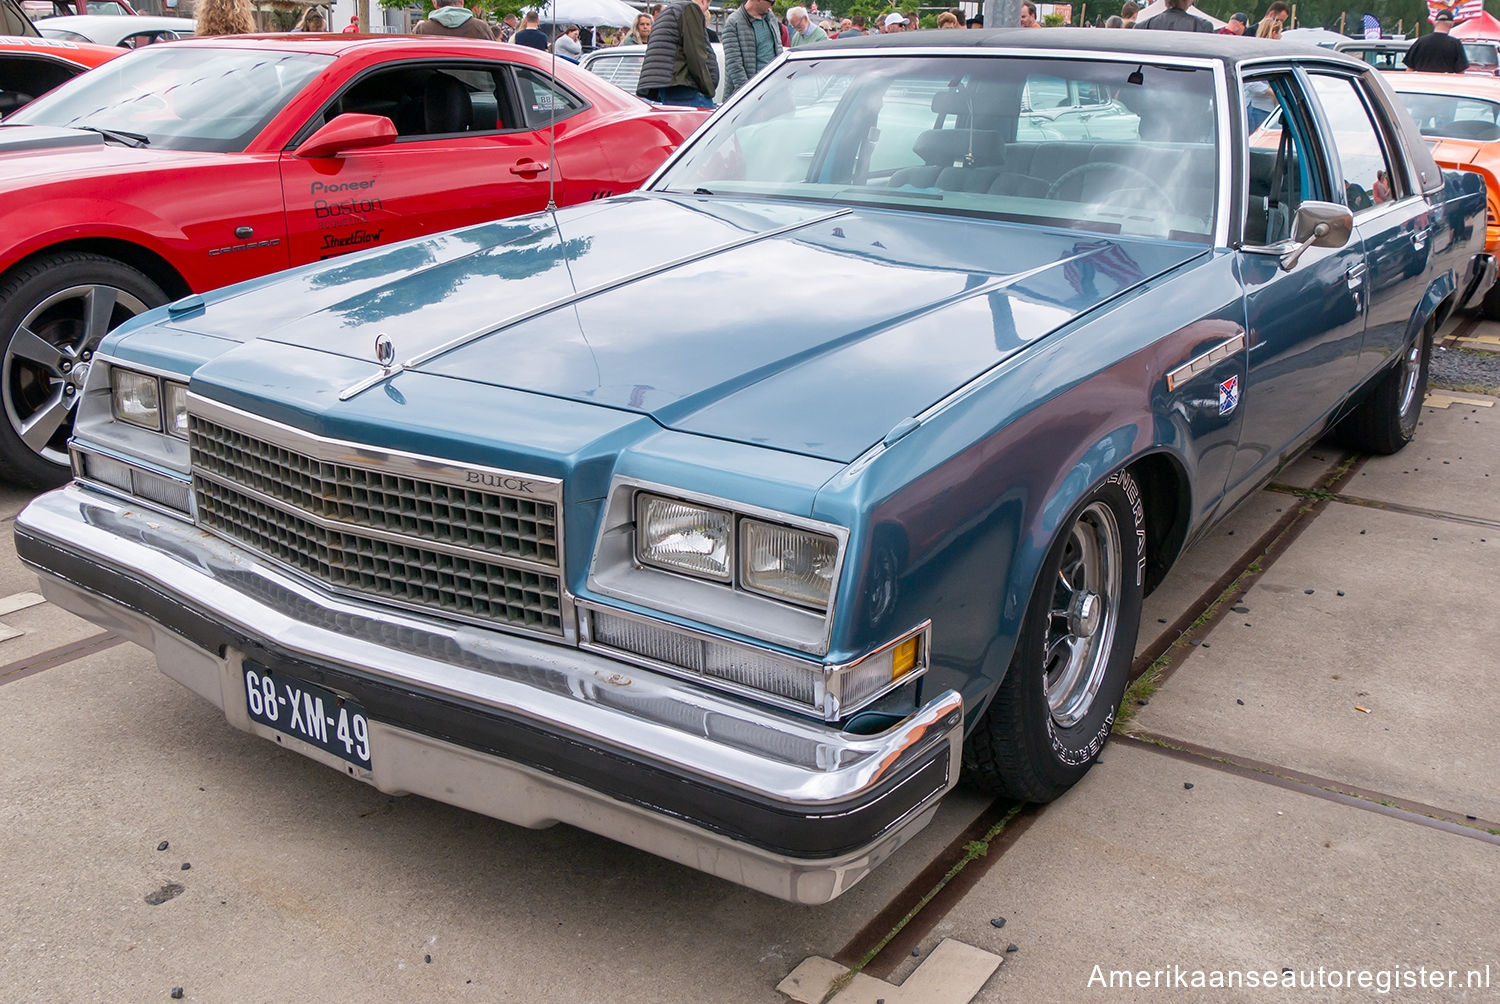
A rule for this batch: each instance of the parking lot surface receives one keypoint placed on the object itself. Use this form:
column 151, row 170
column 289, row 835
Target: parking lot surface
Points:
column 1307, row 782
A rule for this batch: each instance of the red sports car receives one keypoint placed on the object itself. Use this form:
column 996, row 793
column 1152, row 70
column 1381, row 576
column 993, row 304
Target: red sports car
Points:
column 182, row 167
column 30, row 67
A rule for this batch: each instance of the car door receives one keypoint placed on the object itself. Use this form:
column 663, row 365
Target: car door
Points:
column 1305, row 326
column 466, row 151
column 1392, row 219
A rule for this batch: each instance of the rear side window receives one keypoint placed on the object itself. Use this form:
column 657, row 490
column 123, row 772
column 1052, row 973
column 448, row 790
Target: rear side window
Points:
column 544, row 100
column 1368, row 176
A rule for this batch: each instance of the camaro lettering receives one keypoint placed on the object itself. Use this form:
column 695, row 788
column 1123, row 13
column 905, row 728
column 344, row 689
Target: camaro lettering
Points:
column 351, row 240
column 499, row 481
column 270, row 243
column 339, row 186
column 323, row 209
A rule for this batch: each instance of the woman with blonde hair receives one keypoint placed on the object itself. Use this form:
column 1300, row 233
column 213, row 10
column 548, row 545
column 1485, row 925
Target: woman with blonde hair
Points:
column 1270, row 25
column 641, row 33
column 225, row 17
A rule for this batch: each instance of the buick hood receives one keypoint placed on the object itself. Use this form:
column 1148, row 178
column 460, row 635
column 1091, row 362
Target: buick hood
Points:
column 812, row 329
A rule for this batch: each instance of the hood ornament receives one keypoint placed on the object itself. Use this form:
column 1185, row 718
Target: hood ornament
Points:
column 385, row 351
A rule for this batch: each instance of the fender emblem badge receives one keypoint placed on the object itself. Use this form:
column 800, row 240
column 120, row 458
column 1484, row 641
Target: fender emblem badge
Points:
column 1229, row 395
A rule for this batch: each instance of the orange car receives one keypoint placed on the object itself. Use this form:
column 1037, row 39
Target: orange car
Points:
column 1460, row 116
column 30, row 67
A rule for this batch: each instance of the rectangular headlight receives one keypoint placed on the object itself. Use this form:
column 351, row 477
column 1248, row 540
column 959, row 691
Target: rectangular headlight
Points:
column 683, row 537
column 136, row 398
column 788, row 564
column 174, row 408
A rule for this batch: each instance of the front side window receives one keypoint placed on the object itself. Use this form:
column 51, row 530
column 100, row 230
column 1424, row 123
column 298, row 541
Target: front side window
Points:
column 1368, row 178
column 179, row 97
column 978, row 136
column 424, row 100
column 1285, row 166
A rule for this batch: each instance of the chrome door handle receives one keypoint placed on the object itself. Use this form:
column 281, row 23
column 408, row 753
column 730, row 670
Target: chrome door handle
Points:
column 1419, row 238
column 1354, row 275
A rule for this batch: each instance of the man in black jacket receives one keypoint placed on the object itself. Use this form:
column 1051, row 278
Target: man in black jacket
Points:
column 680, row 67
column 1439, row 52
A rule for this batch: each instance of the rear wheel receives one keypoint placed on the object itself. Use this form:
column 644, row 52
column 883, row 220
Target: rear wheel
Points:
column 1491, row 303
column 1386, row 419
column 1055, row 709
column 54, row 312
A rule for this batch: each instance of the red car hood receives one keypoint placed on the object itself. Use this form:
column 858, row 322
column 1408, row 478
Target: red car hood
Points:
column 32, row 155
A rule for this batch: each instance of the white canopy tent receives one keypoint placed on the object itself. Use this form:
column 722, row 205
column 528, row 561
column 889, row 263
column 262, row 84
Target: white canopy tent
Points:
column 588, row 13
column 1161, row 5
column 1314, row 36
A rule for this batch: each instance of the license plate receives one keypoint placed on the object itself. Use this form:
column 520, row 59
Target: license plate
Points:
column 308, row 712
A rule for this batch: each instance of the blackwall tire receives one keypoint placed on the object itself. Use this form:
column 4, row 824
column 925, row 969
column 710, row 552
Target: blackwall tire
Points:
column 1054, row 711
column 1386, row 418
column 54, row 311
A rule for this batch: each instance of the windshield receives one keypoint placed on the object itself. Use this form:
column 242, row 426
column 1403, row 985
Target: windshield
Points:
column 1109, row 147
column 178, row 97
column 1481, row 53
column 1454, row 117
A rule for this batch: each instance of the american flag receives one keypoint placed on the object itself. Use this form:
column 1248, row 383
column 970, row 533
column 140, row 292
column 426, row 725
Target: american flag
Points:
column 1371, row 24
column 1462, row 9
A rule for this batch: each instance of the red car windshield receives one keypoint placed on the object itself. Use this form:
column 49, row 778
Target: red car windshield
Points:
column 179, row 97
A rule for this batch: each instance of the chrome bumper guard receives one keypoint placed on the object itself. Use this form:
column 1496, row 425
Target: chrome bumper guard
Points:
column 527, row 731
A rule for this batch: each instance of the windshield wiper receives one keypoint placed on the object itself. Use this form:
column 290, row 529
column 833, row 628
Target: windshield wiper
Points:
column 134, row 139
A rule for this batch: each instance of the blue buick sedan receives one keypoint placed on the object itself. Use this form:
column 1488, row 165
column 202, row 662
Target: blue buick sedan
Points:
column 736, row 518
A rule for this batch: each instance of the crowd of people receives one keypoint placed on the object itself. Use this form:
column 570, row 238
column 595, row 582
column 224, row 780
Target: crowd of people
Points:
column 680, row 66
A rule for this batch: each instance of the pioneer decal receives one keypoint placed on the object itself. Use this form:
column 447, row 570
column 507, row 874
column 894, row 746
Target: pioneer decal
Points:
column 330, row 187
column 251, row 246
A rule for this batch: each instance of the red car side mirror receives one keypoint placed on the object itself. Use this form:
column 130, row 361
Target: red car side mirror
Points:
column 349, row 131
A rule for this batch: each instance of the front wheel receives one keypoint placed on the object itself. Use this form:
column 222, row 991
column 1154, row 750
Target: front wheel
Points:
column 1054, row 711
column 54, row 311
column 1386, row 419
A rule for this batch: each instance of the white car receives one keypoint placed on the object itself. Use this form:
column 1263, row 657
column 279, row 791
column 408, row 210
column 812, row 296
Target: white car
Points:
column 621, row 66
column 126, row 32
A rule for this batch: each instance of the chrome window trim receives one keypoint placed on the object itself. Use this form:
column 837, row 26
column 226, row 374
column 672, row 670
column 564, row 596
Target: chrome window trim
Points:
column 397, row 462
column 726, row 598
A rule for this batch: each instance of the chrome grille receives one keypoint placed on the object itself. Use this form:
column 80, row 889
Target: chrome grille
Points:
column 389, row 535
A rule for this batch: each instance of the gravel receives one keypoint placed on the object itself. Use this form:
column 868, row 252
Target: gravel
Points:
column 1466, row 368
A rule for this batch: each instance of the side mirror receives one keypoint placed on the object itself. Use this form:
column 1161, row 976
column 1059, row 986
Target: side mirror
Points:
column 349, row 131
column 1318, row 224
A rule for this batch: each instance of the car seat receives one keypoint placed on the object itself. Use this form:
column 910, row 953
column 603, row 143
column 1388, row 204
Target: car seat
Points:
column 446, row 107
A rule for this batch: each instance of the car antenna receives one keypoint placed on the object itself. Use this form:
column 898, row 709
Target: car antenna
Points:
column 552, row 120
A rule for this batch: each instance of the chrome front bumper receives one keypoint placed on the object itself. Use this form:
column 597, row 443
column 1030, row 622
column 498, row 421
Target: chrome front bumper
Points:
column 526, row 731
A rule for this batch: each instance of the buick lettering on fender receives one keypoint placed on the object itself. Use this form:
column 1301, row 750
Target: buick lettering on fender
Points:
column 610, row 517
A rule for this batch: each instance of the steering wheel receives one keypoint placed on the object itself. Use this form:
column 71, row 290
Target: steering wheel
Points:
column 1100, row 165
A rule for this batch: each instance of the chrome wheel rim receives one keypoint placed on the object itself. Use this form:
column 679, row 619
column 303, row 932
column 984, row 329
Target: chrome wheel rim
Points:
column 1083, row 616
column 47, row 362
column 1411, row 373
